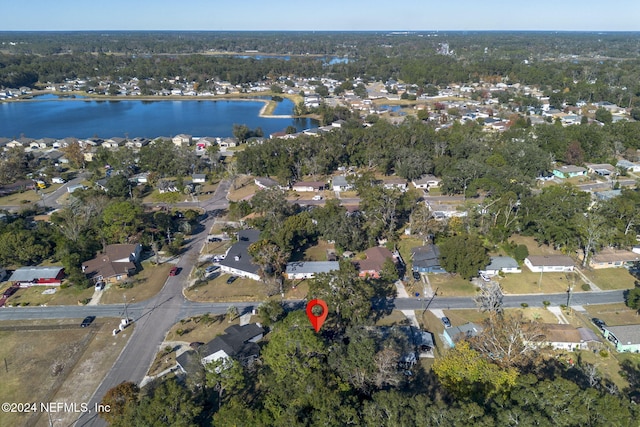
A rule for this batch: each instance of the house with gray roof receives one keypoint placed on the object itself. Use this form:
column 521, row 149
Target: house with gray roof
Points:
column 625, row 338
column 506, row 264
column 426, row 259
column 45, row 276
column 569, row 171
column 309, row 269
column 238, row 261
column 339, row 183
column 456, row 333
column 237, row 342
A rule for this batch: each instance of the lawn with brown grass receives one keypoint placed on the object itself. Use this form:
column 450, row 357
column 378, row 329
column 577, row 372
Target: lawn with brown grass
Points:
column 51, row 361
column 33, row 296
column 244, row 188
column 318, row 252
column 528, row 282
column 146, row 284
column 534, row 247
column 611, row 278
column 452, row 285
column 217, row 290
column 614, row 314
column 395, row 318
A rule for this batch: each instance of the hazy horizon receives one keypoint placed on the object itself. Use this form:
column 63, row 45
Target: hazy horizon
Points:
column 330, row 15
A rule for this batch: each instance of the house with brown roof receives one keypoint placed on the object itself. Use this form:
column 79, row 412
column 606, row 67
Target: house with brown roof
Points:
column 613, row 258
column 549, row 263
column 567, row 337
column 373, row 264
column 115, row 264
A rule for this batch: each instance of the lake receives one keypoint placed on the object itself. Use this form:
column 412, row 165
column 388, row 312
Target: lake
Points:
column 49, row 116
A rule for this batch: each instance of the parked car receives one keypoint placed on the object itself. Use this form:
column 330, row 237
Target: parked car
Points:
column 316, row 198
column 485, row 277
column 174, row 271
column 211, row 269
column 416, row 275
column 598, row 322
column 218, row 258
column 231, row 279
column 99, row 286
column 446, row 322
column 215, row 239
column 87, row 321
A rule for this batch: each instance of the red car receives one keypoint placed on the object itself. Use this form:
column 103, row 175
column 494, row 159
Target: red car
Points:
column 174, row 271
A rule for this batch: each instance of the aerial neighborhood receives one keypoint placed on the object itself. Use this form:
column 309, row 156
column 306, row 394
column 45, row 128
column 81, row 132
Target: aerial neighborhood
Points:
column 472, row 225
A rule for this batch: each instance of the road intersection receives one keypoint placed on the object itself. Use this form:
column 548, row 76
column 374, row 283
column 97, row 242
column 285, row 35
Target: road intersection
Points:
column 154, row 317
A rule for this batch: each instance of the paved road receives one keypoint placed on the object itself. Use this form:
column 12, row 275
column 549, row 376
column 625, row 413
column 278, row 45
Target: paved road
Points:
column 163, row 306
column 155, row 317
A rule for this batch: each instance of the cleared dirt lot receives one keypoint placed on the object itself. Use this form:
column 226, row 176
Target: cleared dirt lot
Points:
column 54, row 361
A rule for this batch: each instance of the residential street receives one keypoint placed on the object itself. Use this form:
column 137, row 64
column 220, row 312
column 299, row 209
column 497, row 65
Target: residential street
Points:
column 154, row 317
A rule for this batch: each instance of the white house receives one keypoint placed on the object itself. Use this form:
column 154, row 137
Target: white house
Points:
column 339, row 183
column 238, row 262
column 629, row 166
column 549, row 263
column 427, row 182
column 309, row 269
column 182, row 140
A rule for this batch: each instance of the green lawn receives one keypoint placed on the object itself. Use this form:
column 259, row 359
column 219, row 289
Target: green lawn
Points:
column 611, row 278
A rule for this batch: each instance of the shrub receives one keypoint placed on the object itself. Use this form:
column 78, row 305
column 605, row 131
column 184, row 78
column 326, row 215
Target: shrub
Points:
column 604, row 353
column 585, row 287
column 524, row 305
column 180, row 332
column 546, row 303
column 64, row 285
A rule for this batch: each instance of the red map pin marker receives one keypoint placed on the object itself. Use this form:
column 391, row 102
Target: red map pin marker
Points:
column 317, row 321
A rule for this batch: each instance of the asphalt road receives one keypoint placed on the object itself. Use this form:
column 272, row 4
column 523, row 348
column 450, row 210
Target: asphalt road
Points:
column 154, row 317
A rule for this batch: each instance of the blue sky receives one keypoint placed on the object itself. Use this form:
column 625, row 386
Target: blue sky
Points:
column 562, row 15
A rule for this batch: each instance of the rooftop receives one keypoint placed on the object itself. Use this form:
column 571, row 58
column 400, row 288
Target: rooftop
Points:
column 312, row 267
column 550, row 260
column 29, row 274
column 500, row 262
column 238, row 255
column 627, row 334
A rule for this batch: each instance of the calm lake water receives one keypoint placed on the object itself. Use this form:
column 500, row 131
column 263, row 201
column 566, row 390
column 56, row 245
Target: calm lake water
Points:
column 51, row 117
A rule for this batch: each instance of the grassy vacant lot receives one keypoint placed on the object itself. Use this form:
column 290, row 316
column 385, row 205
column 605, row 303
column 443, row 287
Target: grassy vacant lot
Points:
column 534, row 247
column 614, row 314
column 50, row 361
column 451, row 285
column 146, row 283
column 34, row 296
column 244, row 188
column 611, row 278
column 529, row 283
column 217, row 289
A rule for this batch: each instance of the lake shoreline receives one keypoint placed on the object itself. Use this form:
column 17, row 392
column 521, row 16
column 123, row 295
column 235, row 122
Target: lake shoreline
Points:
column 269, row 104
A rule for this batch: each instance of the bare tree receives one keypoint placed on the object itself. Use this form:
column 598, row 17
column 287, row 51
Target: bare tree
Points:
column 509, row 340
column 490, row 298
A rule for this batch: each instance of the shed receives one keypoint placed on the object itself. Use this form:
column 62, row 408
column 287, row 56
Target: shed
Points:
column 29, row 276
